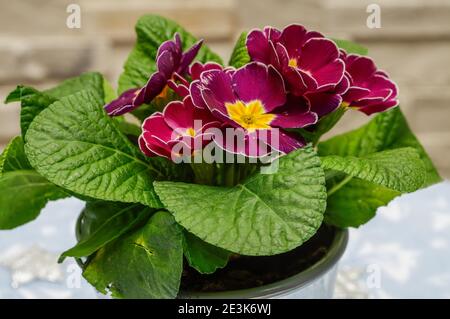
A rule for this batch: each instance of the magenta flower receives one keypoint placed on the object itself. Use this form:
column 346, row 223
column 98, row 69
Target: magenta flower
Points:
column 323, row 103
column 171, row 62
column 253, row 100
column 371, row 90
column 162, row 132
column 181, row 86
column 307, row 61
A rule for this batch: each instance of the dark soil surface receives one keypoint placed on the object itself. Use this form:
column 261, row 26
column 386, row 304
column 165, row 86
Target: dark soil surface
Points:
column 247, row 272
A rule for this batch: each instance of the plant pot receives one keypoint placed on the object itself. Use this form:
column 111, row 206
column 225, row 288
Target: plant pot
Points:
column 316, row 282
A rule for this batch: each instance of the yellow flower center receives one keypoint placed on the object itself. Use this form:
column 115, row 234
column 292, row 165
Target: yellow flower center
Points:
column 251, row 116
column 190, row 132
column 293, row 63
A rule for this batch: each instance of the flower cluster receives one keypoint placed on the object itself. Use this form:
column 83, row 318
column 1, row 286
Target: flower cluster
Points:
column 295, row 77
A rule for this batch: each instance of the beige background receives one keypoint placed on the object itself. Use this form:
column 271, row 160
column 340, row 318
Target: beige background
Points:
column 413, row 45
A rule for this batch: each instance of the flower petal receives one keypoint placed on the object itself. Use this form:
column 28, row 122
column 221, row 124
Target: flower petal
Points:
column 156, row 145
column 167, row 63
column 178, row 115
column 173, row 45
column 195, row 90
column 294, row 119
column 217, row 89
column 294, row 114
column 188, row 57
column 256, row 81
column 294, row 36
column 156, row 125
column 323, row 103
column 258, row 46
column 379, row 107
column 197, row 68
column 288, row 142
column 317, row 53
column 143, row 147
column 179, row 88
column 152, row 88
column 330, row 75
column 123, row 104
column 360, row 67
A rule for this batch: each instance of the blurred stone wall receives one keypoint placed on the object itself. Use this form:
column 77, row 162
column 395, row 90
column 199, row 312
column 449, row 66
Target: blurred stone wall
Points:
column 413, row 45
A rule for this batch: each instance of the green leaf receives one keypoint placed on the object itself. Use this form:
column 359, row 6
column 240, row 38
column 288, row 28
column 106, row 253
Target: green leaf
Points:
column 240, row 56
column 145, row 264
column 152, row 30
column 31, row 106
column 127, row 128
column 19, row 93
column 203, row 257
column 399, row 169
column 87, row 81
column 265, row 215
column 356, row 203
column 120, row 218
column 352, row 202
column 388, row 130
column 23, row 194
column 13, row 157
column 33, row 101
column 74, row 144
column 351, row 47
column 109, row 92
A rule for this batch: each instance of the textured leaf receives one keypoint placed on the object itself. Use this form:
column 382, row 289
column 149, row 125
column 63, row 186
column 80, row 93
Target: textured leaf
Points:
column 127, row 128
column 31, row 106
column 239, row 56
column 19, row 93
column 87, row 81
column 399, row 169
column 74, row 144
column 265, row 215
column 108, row 92
column 13, row 157
column 23, row 194
column 203, row 257
column 388, row 130
column 144, row 264
column 33, row 101
column 119, row 219
column 356, row 203
column 351, row 47
column 152, row 30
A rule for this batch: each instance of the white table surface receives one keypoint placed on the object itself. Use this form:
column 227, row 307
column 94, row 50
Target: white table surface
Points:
column 404, row 252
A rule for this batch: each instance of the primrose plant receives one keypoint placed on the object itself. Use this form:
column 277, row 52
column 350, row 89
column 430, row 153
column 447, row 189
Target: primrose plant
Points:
column 189, row 187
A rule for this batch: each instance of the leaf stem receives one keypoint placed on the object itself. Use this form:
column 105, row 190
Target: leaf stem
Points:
column 339, row 185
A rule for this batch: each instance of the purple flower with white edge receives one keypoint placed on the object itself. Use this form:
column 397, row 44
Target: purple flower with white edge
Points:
column 182, row 124
column 323, row 103
column 253, row 99
column 308, row 61
column 371, row 90
column 181, row 86
column 171, row 63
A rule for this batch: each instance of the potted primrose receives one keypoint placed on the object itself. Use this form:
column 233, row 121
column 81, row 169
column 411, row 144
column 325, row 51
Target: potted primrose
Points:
column 225, row 188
